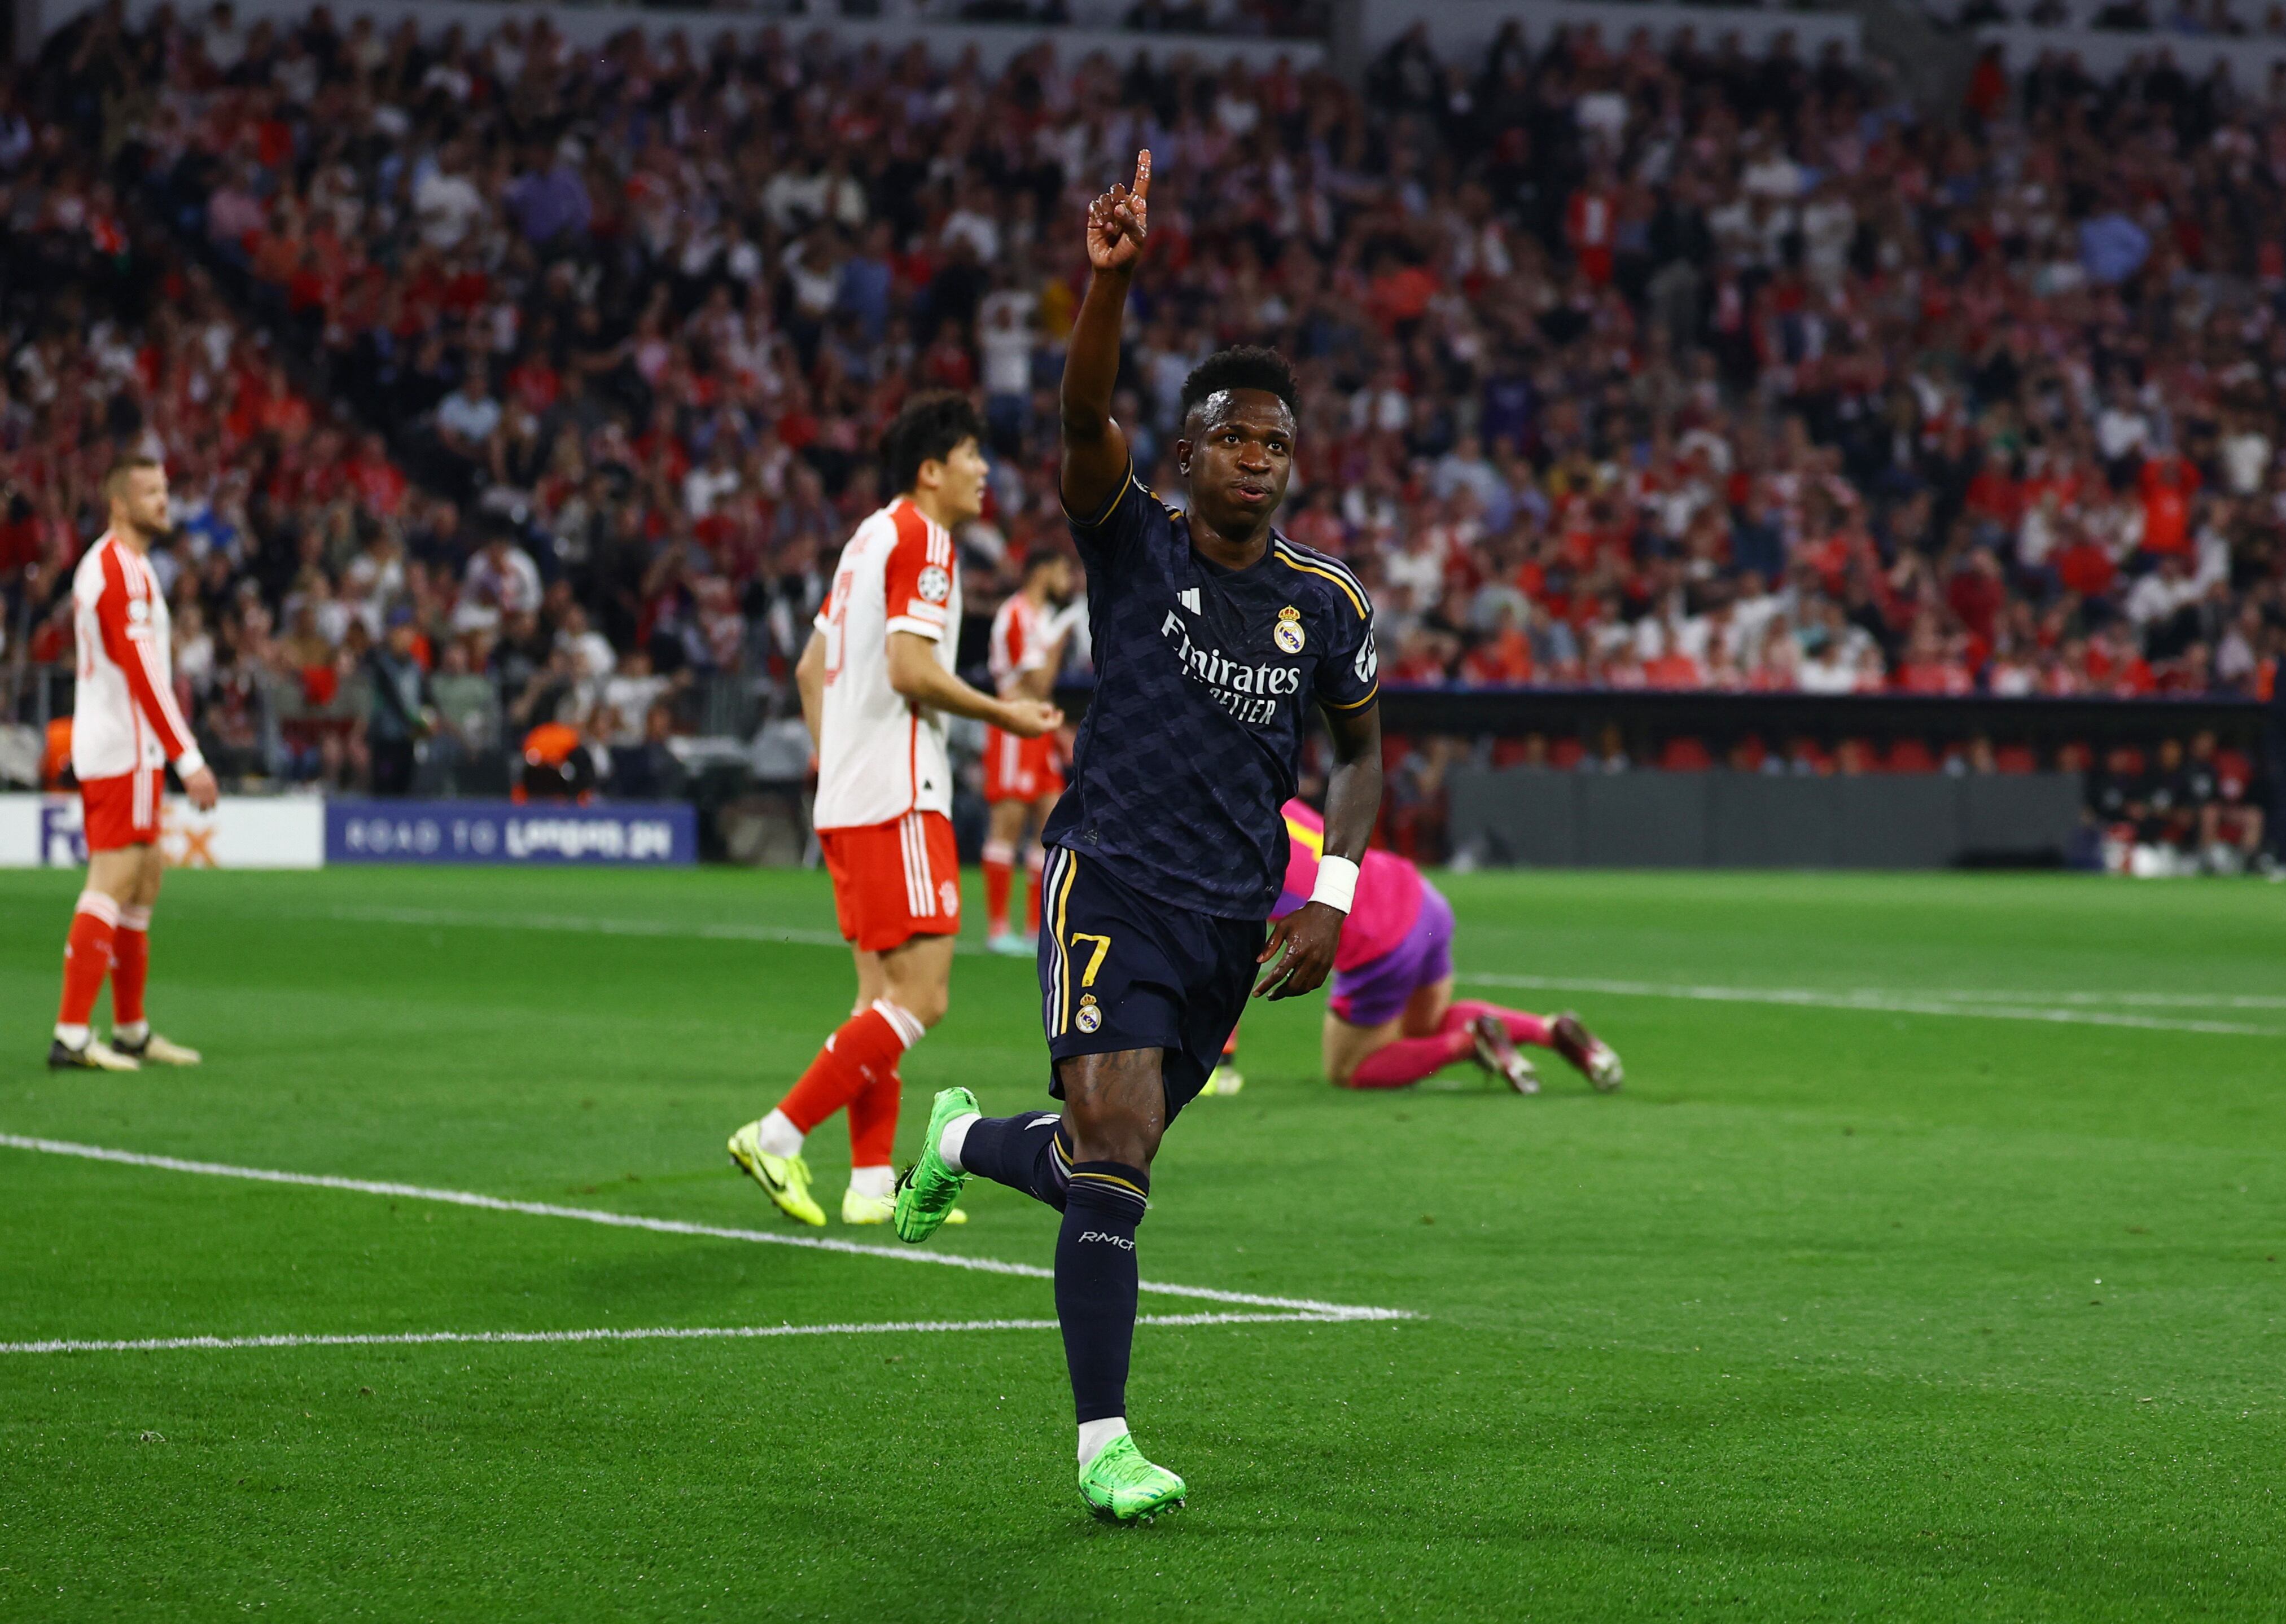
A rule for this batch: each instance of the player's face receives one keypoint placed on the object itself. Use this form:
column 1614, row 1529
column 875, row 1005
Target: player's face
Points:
column 1240, row 461
column 144, row 500
column 960, row 487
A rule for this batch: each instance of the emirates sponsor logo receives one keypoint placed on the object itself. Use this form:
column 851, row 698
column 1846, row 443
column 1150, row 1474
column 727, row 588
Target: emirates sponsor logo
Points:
column 1250, row 693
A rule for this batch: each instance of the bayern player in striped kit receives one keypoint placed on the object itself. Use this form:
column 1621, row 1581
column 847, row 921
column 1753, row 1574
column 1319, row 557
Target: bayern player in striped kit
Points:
column 1022, row 777
column 877, row 681
column 126, row 728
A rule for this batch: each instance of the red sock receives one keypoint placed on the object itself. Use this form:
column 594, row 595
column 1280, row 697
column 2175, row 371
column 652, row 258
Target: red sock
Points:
column 863, row 1047
column 1230, row 1044
column 131, row 965
column 1523, row 1026
column 999, row 879
column 87, row 956
column 873, row 1121
column 1034, row 866
column 1408, row 1059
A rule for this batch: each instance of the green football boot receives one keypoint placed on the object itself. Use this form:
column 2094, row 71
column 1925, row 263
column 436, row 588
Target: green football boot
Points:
column 856, row 1209
column 784, row 1179
column 1121, row 1487
column 926, row 1194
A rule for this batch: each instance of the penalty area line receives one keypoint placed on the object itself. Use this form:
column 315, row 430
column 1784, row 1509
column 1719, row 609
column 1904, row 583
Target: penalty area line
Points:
column 656, row 1333
column 1302, row 1306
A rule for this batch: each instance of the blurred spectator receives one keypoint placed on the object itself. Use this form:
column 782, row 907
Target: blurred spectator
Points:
column 1621, row 365
column 400, row 715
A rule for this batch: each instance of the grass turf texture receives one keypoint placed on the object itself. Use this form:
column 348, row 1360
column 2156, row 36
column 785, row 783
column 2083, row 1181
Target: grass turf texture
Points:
column 1805, row 1324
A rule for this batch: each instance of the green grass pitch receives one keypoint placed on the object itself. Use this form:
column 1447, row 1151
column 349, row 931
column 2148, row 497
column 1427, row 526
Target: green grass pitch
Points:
column 1936, row 1277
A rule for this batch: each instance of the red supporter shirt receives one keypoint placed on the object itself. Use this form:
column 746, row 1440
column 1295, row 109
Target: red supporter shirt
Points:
column 2169, row 483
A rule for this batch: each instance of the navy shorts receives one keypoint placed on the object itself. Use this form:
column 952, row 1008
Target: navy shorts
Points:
column 1121, row 971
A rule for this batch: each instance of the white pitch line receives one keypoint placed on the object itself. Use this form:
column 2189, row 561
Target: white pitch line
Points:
column 663, row 1225
column 2134, row 1000
column 657, row 1333
column 1871, row 999
column 2066, row 1008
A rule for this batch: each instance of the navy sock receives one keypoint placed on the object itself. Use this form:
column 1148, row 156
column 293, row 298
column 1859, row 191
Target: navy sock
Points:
column 1022, row 1152
column 1096, row 1282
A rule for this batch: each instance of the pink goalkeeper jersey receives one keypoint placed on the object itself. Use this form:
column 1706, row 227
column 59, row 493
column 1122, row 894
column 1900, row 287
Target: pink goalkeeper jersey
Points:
column 1388, row 898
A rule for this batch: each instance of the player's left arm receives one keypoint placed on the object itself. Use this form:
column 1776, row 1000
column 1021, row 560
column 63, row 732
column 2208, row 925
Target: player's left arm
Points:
column 918, row 679
column 1301, row 948
column 124, row 625
column 1300, row 951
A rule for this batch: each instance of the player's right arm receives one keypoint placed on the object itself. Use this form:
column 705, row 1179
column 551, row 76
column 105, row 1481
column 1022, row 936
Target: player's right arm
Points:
column 128, row 642
column 1095, row 457
column 919, row 679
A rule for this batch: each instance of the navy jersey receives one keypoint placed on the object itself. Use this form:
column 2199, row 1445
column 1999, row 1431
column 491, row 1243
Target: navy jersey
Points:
column 1204, row 677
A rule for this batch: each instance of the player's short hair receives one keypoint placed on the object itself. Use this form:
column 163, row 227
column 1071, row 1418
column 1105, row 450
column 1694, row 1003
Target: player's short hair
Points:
column 926, row 430
column 115, row 483
column 1040, row 557
column 1243, row 366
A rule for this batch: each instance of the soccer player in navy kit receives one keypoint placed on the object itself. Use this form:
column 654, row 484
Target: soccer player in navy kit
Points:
column 1213, row 636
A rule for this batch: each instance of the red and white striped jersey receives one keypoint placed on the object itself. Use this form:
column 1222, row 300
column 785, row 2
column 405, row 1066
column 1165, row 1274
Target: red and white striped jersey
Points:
column 124, row 717
column 1018, row 643
column 879, row 757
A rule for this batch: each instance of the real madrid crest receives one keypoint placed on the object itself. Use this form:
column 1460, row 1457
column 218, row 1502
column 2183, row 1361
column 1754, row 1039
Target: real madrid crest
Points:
column 1090, row 1014
column 1287, row 633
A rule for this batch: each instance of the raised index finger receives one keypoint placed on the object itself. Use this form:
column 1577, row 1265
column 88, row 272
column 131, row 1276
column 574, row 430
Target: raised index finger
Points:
column 1143, row 173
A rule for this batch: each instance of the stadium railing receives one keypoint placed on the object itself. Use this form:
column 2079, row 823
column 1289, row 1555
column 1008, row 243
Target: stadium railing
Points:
column 1720, row 721
column 1648, row 719
column 1484, row 774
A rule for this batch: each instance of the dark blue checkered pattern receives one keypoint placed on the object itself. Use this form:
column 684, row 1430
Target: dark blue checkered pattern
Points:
column 1190, row 744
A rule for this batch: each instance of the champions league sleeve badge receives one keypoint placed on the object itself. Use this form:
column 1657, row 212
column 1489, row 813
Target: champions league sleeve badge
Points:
column 1287, row 633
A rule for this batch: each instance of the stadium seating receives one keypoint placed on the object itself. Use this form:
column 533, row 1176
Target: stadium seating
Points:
column 1622, row 366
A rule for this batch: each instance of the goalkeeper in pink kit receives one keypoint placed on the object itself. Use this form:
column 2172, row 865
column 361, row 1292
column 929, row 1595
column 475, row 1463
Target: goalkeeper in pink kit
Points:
column 1391, row 1019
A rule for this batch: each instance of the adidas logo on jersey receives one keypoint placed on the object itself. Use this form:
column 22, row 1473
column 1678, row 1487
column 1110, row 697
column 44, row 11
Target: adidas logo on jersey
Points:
column 1189, row 599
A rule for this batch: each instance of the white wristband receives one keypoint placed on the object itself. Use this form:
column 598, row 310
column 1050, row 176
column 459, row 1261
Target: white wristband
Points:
column 1337, row 885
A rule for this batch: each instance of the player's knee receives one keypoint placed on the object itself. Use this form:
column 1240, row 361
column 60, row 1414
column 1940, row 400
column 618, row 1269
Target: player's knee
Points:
column 926, row 1004
column 1133, row 1146
column 1112, row 1134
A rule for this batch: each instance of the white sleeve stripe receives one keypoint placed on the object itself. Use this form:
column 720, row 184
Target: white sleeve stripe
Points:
column 164, row 690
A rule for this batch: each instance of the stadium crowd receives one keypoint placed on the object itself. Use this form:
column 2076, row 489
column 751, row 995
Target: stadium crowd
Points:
column 1621, row 367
